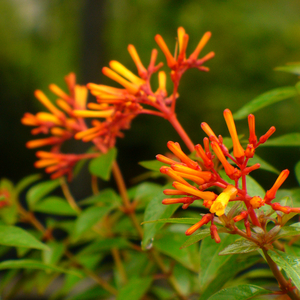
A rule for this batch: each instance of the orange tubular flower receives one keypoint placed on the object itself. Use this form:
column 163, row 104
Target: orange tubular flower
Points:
column 271, row 193
column 252, row 136
column 229, row 169
column 238, row 151
column 175, row 148
column 205, row 219
column 181, row 62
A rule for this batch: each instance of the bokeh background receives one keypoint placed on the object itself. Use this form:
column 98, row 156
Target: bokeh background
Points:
column 42, row 41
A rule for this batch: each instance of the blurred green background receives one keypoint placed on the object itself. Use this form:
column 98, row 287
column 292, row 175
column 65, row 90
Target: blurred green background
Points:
column 42, row 41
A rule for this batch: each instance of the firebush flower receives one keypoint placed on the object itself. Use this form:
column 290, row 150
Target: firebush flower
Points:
column 193, row 178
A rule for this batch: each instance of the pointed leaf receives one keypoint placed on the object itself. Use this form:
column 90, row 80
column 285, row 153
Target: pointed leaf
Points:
column 297, row 171
column 210, row 260
column 25, row 182
column 289, row 231
column 196, row 238
column 54, row 254
column 240, row 292
column 88, row 218
column 293, row 68
column 289, row 263
column 169, row 244
column 107, row 196
column 156, row 210
column 56, row 206
column 134, row 289
column 263, row 164
column 240, row 246
column 266, row 99
column 287, row 140
column 102, row 165
column 153, row 165
column 39, row 191
column 32, row 264
column 17, row 237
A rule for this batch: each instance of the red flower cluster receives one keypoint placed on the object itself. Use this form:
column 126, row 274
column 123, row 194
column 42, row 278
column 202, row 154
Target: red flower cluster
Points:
column 193, row 178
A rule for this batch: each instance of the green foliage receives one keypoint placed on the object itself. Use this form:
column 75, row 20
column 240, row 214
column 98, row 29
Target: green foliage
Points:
column 241, row 292
column 101, row 166
column 16, row 237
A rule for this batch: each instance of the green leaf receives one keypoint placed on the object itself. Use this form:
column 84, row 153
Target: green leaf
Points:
column 144, row 193
column 40, row 190
column 263, row 164
column 210, row 260
column 56, row 206
column 297, row 171
column 289, row 231
column 196, row 238
column 240, row 292
column 54, row 254
column 287, row 140
column 264, row 100
column 107, row 196
column 153, row 165
column 134, row 289
column 88, row 218
column 175, row 220
column 219, row 280
column 293, row 68
column 240, row 246
column 169, row 244
column 25, row 182
column 156, row 210
column 17, row 237
column 32, row 264
column 289, row 263
column 105, row 245
column 254, row 188
column 101, row 166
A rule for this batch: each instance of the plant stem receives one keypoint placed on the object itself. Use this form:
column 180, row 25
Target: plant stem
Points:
column 166, row 272
column 68, row 195
column 92, row 275
column 177, row 126
column 118, row 261
column 123, row 192
column 283, row 283
column 95, row 188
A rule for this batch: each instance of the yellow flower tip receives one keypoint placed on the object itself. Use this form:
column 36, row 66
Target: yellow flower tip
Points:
column 162, row 80
column 122, row 70
column 206, row 128
column 45, row 163
column 93, row 114
column 135, row 57
column 130, row 87
column 201, row 45
column 58, row 91
column 175, row 148
column 47, row 117
column 238, row 151
column 183, row 39
column 257, row 202
column 219, row 205
column 41, row 142
column 164, row 48
column 270, row 194
column 194, row 191
column 81, row 94
column 48, row 104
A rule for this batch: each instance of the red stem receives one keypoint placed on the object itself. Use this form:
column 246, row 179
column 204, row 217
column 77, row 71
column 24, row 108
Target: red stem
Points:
column 177, row 126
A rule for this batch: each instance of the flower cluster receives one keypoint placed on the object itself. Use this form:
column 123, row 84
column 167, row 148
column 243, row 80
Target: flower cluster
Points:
column 116, row 107
column 62, row 123
column 138, row 89
column 194, row 178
